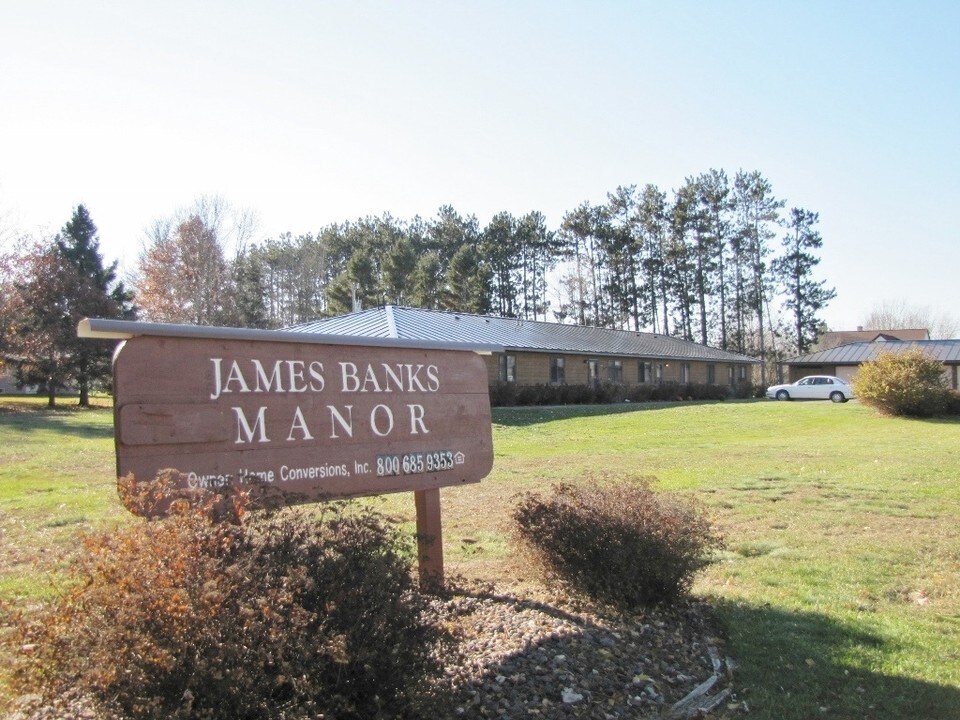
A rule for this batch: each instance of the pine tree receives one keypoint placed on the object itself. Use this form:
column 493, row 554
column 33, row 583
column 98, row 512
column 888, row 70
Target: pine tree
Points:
column 56, row 284
column 99, row 295
column 794, row 270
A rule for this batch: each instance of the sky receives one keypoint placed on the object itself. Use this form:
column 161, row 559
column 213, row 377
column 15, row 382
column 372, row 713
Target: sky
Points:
column 311, row 113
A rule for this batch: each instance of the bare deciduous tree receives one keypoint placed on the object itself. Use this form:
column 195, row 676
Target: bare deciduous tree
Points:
column 183, row 273
column 894, row 314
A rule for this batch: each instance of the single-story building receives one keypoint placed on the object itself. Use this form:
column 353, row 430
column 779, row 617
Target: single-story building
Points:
column 8, row 383
column 550, row 353
column 844, row 360
column 836, row 338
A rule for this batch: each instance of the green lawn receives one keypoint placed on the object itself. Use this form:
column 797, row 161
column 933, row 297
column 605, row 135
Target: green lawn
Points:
column 839, row 587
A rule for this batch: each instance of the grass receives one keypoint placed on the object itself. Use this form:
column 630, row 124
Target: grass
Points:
column 839, row 587
column 56, row 476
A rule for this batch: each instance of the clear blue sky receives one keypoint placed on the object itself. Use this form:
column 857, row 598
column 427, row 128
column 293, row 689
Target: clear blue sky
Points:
column 315, row 112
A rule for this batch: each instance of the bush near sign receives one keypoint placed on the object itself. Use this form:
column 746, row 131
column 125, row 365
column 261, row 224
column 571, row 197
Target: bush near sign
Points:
column 315, row 421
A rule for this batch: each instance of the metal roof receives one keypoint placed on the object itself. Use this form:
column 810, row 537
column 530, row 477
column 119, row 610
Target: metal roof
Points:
column 946, row 351
column 106, row 329
column 835, row 338
column 513, row 334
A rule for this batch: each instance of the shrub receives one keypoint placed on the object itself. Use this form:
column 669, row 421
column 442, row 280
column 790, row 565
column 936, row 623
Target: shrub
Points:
column 617, row 542
column 279, row 616
column 503, row 394
column 953, row 403
column 508, row 394
column 903, row 383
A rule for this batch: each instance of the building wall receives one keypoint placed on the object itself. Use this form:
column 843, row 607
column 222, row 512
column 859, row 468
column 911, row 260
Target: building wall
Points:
column 8, row 385
column 794, row 373
column 847, row 372
column 533, row 368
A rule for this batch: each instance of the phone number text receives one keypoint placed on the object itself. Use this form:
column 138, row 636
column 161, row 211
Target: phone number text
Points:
column 414, row 463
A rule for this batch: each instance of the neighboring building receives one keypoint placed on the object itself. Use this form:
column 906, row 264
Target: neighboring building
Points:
column 843, row 361
column 837, row 338
column 551, row 353
column 7, row 382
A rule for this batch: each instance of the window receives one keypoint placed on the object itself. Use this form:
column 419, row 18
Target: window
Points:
column 593, row 372
column 684, row 372
column 644, row 372
column 658, row 372
column 711, row 375
column 508, row 368
column 743, row 373
column 615, row 371
column 557, row 374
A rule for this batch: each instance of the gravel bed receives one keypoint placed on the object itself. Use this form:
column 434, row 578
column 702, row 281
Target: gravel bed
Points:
column 549, row 657
column 523, row 657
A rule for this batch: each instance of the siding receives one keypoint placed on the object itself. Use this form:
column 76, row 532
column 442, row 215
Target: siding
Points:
column 534, row 369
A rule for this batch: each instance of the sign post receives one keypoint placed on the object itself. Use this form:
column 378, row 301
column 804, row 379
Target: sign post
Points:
column 311, row 417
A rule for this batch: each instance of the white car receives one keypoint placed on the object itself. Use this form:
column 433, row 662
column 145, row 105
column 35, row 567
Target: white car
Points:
column 813, row 387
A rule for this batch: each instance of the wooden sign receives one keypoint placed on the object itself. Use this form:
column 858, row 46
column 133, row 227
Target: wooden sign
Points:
column 315, row 421
column 312, row 417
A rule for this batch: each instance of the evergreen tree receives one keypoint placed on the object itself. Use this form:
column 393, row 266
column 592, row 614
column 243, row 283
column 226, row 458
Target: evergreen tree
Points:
column 539, row 250
column 580, row 235
column 499, row 247
column 757, row 214
column 805, row 296
column 654, row 230
column 56, row 284
column 427, row 287
column 716, row 204
column 249, row 292
column 99, row 294
column 398, row 267
column 701, row 251
column 468, row 282
column 622, row 248
column 679, row 264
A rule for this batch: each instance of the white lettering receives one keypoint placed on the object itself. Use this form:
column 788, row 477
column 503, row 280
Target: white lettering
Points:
column 397, row 376
column 243, row 426
column 401, row 377
column 295, row 372
column 216, row 378
column 312, row 473
column 195, row 481
column 316, row 373
column 235, row 376
column 299, row 424
column 413, row 377
column 337, row 418
column 370, row 379
column 248, row 476
column 416, row 420
column 299, row 377
column 433, row 375
column 373, row 420
column 348, row 373
column 268, row 382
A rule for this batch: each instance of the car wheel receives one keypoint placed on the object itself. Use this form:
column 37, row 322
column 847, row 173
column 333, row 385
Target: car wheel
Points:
column 837, row 396
column 783, row 395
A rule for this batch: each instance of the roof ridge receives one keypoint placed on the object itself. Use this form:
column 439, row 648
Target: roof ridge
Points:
column 391, row 321
column 551, row 323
